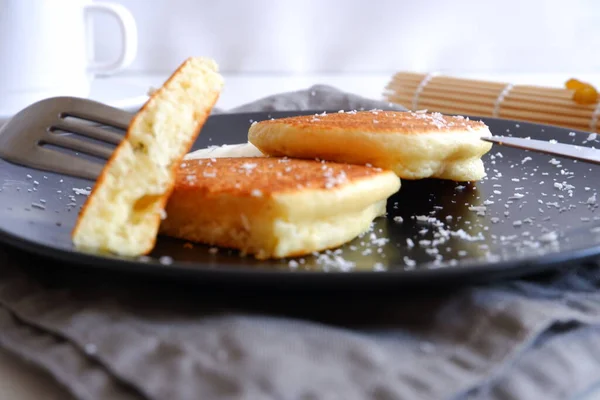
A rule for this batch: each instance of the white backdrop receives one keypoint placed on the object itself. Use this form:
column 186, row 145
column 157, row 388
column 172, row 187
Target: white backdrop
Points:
column 317, row 36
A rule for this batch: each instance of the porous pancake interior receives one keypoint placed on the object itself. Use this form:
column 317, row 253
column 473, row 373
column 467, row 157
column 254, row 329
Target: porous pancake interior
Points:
column 413, row 144
column 275, row 207
column 122, row 214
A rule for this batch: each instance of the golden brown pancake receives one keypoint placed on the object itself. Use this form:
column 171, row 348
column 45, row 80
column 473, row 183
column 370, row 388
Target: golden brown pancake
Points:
column 275, row 207
column 414, row 145
column 122, row 214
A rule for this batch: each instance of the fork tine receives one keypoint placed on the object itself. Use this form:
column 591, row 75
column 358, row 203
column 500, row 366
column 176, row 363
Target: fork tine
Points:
column 72, row 143
column 95, row 111
column 91, row 131
column 54, row 161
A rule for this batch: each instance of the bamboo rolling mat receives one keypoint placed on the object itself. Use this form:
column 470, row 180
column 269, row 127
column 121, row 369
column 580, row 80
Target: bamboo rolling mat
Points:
column 445, row 94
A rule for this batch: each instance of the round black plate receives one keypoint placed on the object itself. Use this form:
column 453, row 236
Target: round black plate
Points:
column 532, row 212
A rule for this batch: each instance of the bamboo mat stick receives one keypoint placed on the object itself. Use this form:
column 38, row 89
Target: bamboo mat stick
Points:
column 454, row 95
column 434, row 105
column 513, row 101
column 481, row 90
column 464, row 82
column 491, row 89
column 508, row 113
column 550, row 108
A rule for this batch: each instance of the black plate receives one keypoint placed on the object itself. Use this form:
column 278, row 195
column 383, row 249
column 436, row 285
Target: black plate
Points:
column 539, row 212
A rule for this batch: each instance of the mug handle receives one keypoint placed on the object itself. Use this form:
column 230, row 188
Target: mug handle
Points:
column 129, row 39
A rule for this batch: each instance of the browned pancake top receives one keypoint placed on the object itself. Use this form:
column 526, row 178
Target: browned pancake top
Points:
column 379, row 121
column 257, row 176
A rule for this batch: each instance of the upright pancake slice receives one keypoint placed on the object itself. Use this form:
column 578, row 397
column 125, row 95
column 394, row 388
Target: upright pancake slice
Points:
column 414, row 145
column 122, row 214
column 275, row 207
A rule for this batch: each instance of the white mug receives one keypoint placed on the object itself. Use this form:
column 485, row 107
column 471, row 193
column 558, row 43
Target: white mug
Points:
column 46, row 47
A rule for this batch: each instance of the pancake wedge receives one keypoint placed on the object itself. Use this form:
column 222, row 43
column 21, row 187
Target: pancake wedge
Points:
column 415, row 145
column 275, row 207
column 122, row 214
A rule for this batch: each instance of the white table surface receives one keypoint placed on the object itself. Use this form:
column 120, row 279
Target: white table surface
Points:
column 20, row 381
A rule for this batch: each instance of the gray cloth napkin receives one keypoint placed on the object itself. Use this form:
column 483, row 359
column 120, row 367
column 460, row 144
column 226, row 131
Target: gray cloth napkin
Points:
column 113, row 336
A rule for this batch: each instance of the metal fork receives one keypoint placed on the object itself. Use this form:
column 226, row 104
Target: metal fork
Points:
column 23, row 138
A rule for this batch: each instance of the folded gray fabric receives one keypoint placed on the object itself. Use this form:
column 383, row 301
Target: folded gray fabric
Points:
column 317, row 97
column 108, row 338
